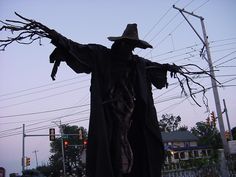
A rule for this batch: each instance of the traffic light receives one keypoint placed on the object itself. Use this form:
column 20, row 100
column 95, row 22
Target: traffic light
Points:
column 85, row 142
column 27, row 161
column 52, row 136
column 66, row 144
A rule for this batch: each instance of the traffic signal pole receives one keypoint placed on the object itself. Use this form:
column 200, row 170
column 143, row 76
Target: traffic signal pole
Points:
column 62, row 146
column 62, row 149
column 50, row 134
column 24, row 135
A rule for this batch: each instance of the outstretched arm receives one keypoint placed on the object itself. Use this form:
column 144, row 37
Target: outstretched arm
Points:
column 27, row 31
column 185, row 78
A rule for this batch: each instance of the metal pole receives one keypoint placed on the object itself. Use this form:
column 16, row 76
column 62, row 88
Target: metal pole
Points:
column 227, row 118
column 215, row 92
column 36, row 158
column 62, row 149
column 23, row 148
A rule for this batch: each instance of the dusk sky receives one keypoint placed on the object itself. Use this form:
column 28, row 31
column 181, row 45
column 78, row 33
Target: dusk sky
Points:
column 29, row 96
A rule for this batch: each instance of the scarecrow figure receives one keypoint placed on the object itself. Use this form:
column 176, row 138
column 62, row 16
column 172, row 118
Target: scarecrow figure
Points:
column 124, row 139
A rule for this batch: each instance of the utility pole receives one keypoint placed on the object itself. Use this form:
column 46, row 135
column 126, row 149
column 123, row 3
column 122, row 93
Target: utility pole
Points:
column 227, row 118
column 213, row 81
column 23, row 148
column 35, row 152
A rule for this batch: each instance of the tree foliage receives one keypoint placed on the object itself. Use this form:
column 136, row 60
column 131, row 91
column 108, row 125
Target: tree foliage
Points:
column 208, row 135
column 45, row 170
column 169, row 122
column 183, row 128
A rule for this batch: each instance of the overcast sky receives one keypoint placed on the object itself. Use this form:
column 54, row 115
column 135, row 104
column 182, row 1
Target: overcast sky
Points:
column 29, row 96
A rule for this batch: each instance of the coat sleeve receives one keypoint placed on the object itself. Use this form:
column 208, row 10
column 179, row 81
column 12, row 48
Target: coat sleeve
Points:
column 157, row 74
column 79, row 57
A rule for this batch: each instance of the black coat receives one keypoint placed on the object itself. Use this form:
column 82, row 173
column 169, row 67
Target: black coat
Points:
column 103, row 143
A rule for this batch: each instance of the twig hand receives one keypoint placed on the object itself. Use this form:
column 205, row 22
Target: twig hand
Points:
column 27, row 31
column 188, row 80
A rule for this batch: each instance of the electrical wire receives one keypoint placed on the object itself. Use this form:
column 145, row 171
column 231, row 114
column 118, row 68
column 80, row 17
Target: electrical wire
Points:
column 38, row 87
column 44, row 97
column 43, row 112
column 44, row 90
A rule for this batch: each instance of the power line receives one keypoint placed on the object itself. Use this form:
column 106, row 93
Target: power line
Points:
column 201, row 5
column 37, row 87
column 44, row 90
column 176, row 27
column 42, row 112
column 225, row 66
column 162, row 17
column 45, row 127
column 226, row 61
column 44, row 97
column 224, row 57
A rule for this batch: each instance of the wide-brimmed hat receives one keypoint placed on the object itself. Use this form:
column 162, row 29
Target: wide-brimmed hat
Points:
column 131, row 33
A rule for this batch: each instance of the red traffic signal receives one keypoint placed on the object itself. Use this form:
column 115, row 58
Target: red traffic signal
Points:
column 66, row 144
column 85, row 142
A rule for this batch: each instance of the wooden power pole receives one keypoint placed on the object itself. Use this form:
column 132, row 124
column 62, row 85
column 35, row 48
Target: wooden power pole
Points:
column 213, row 81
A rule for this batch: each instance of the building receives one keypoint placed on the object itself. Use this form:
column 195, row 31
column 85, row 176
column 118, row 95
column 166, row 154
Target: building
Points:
column 182, row 145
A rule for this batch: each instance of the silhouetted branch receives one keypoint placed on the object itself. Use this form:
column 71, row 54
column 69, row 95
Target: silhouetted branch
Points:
column 186, row 73
column 186, row 80
column 27, row 31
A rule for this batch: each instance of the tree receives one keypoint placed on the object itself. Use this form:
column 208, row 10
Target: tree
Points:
column 183, row 128
column 45, row 170
column 32, row 173
column 169, row 122
column 208, row 135
column 72, row 152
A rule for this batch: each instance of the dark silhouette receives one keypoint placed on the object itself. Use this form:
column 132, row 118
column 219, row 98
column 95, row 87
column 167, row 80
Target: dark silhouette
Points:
column 124, row 137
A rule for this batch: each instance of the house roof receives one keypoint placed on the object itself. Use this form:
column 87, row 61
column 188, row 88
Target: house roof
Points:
column 187, row 148
column 179, row 136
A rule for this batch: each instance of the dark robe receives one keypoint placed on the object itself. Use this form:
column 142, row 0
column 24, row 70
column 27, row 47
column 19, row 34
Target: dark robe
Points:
column 103, row 148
